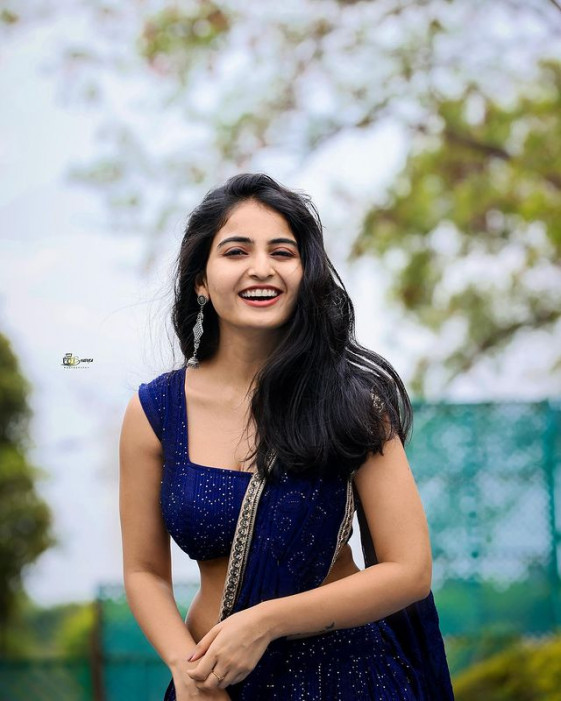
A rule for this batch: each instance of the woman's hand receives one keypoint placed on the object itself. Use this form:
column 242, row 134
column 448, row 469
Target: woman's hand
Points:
column 187, row 689
column 230, row 650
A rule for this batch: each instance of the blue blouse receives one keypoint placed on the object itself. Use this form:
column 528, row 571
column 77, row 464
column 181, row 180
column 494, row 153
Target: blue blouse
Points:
column 200, row 504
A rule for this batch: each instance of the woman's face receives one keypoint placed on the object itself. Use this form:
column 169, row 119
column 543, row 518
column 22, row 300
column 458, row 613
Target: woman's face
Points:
column 254, row 269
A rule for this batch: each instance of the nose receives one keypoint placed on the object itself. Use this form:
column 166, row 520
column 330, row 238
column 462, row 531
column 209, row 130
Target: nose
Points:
column 261, row 265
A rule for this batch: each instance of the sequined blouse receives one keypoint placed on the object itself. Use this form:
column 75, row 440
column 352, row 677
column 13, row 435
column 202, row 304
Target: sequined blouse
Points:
column 200, row 504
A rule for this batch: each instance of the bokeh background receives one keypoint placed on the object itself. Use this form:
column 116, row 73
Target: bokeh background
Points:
column 428, row 134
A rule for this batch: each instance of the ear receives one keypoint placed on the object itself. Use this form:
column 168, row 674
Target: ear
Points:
column 200, row 284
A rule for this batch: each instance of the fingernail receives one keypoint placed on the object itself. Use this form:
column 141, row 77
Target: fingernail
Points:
column 190, row 658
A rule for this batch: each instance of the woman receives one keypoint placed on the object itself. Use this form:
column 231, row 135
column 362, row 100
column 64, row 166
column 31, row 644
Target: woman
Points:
column 254, row 455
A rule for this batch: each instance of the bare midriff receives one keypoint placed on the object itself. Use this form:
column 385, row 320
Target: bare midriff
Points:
column 205, row 607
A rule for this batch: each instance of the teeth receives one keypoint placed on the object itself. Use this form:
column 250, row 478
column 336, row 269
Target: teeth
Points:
column 266, row 294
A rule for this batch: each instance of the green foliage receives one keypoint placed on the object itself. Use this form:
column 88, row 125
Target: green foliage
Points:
column 524, row 672
column 74, row 636
column 463, row 652
column 482, row 183
column 8, row 17
column 25, row 519
column 14, row 388
column 37, row 632
column 24, row 522
column 174, row 37
column 470, row 231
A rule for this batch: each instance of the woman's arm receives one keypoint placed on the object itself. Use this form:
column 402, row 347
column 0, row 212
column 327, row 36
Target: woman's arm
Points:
column 399, row 530
column 146, row 548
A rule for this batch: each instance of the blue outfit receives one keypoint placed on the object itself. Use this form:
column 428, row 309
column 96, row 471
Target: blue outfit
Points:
column 295, row 531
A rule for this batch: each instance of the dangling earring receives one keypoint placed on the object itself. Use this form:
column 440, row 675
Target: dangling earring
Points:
column 193, row 361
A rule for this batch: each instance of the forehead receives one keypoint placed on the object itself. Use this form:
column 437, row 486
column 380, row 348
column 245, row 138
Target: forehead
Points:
column 256, row 221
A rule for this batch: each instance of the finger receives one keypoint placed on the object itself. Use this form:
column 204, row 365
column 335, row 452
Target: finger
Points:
column 202, row 646
column 215, row 679
column 226, row 681
column 202, row 670
column 211, row 683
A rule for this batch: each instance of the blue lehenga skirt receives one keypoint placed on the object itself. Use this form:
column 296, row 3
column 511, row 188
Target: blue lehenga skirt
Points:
column 350, row 664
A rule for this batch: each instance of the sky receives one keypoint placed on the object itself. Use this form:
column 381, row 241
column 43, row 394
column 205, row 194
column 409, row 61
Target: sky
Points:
column 69, row 285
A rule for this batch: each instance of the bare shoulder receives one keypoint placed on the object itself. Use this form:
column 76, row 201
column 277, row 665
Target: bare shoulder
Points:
column 385, row 482
column 390, row 465
column 136, row 432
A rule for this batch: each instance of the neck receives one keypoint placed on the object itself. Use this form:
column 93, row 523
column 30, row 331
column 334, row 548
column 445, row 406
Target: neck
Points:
column 242, row 353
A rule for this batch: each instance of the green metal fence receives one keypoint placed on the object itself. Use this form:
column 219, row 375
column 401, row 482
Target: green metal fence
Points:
column 489, row 477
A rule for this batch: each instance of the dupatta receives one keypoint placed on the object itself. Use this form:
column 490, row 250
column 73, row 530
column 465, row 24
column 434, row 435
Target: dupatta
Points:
column 288, row 535
column 417, row 629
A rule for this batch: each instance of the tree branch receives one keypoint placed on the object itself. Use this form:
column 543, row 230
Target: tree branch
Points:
column 556, row 4
column 498, row 336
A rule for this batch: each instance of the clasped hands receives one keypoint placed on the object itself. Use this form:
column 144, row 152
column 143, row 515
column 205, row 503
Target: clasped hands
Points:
column 230, row 650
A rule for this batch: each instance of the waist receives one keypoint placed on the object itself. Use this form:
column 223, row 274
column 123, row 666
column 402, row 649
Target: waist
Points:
column 205, row 607
column 343, row 566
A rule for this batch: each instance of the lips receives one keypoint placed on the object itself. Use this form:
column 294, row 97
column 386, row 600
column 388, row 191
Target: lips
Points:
column 258, row 300
column 260, row 292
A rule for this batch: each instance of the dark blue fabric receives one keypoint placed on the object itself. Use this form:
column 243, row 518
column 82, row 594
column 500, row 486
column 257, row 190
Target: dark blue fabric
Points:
column 200, row 504
column 417, row 629
column 398, row 658
column 294, row 542
column 152, row 396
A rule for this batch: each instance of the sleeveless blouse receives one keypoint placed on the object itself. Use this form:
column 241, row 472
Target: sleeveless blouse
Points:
column 200, row 504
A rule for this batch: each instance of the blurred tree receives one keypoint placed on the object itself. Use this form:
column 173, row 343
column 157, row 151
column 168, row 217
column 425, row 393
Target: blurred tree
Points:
column 25, row 520
column 482, row 185
column 206, row 89
column 74, row 637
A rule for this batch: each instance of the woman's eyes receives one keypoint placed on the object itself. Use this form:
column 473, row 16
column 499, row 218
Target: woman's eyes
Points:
column 237, row 251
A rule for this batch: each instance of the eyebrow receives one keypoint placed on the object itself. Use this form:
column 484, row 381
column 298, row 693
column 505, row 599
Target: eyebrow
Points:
column 246, row 239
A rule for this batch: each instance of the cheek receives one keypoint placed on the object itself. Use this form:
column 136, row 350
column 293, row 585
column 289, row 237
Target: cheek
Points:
column 295, row 275
column 220, row 285
column 298, row 277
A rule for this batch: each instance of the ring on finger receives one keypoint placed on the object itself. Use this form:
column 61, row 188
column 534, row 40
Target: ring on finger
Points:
column 217, row 676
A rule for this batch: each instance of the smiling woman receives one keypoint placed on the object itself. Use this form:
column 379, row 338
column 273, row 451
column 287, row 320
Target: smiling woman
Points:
column 253, row 457
column 263, row 270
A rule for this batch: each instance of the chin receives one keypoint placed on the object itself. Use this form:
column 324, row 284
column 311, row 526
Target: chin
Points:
column 264, row 325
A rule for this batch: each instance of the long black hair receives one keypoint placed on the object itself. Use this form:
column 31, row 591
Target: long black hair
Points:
column 322, row 401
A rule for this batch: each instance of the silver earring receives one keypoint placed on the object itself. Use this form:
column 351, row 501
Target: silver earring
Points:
column 193, row 361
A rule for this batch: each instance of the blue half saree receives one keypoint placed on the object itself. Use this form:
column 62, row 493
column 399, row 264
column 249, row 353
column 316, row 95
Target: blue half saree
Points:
column 288, row 535
column 282, row 537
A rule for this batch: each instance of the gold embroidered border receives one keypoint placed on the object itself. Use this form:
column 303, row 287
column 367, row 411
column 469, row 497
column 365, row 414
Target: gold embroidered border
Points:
column 346, row 523
column 241, row 542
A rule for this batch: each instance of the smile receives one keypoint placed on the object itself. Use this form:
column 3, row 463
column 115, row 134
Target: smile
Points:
column 260, row 297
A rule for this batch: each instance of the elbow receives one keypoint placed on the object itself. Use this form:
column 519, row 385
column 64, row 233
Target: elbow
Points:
column 138, row 576
column 422, row 582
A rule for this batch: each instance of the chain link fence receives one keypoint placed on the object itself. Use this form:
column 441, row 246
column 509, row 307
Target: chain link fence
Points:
column 489, row 475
